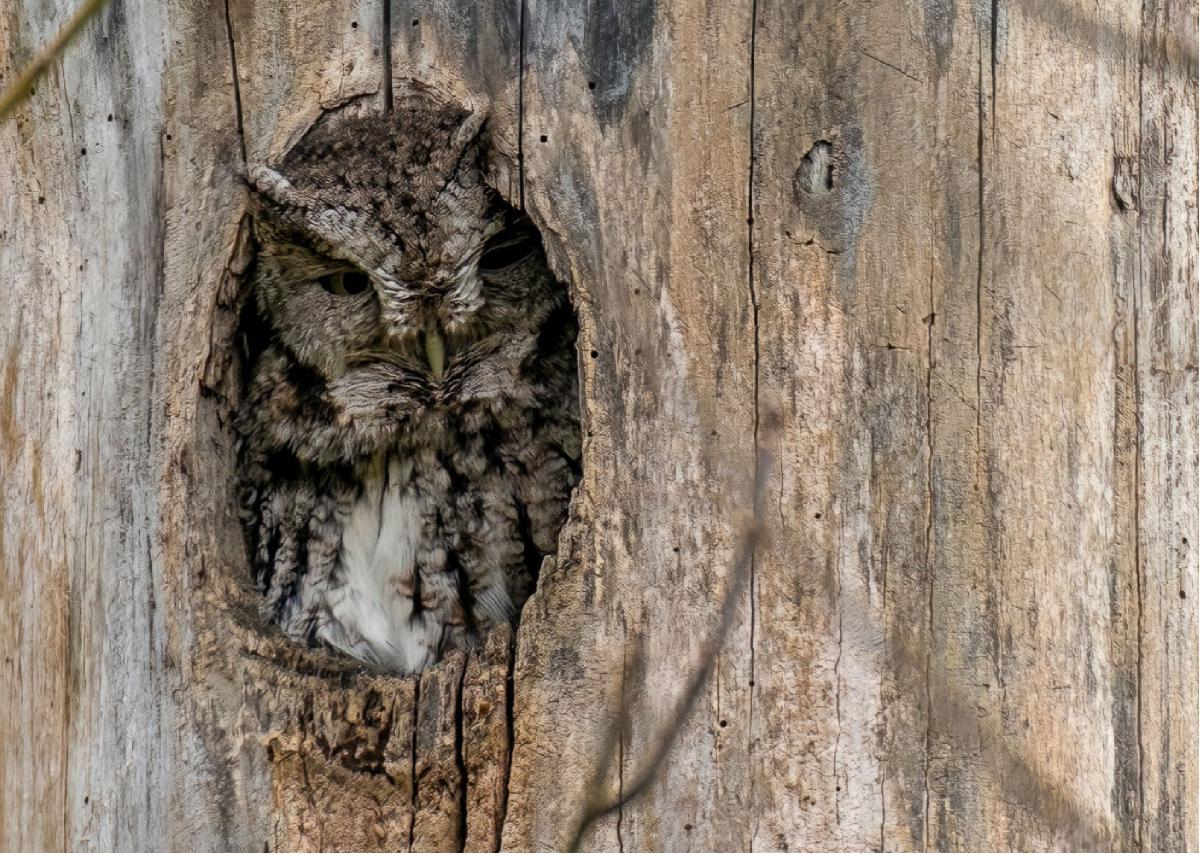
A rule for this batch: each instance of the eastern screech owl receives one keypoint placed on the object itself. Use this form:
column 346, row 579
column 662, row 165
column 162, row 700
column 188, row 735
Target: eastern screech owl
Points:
column 410, row 434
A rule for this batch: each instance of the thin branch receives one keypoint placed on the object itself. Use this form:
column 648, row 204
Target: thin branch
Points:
column 600, row 805
column 20, row 90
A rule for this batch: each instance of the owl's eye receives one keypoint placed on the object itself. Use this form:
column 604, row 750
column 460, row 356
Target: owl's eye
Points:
column 510, row 247
column 345, row 283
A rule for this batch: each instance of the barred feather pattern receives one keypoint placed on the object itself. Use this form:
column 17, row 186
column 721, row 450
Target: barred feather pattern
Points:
column 410, row 433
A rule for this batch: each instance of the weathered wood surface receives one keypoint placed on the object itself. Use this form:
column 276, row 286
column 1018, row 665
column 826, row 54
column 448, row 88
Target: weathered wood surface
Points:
column 951, row 247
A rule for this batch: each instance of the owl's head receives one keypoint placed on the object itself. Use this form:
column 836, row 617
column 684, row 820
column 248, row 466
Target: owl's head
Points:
column 379, row 239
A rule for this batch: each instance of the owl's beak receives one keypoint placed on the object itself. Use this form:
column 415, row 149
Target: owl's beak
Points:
column 435, row 353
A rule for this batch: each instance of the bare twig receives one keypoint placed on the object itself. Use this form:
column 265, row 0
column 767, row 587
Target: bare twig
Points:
column 599, row 804
column 20, row 90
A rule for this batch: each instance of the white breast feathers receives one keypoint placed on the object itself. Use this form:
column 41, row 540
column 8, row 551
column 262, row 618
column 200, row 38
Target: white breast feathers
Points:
column 370, row 603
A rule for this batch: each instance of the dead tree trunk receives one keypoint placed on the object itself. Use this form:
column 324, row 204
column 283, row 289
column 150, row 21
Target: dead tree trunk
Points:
column 949, row 248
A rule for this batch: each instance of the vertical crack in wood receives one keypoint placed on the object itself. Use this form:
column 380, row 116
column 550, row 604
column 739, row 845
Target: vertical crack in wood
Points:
column 66, row 95
column 621, row 748
column 757, row 363
column 510, row 681
column 237, row 86
column 70, row 621
column 412, row 773
column 995, row 26
column 439, row 766
column 979, row 256
column 485, row 741
column 509, row 715
column 67, row 665
column 521, row 103
column 1140, row 821
column 1120, row 579
column 459, row 753
column 930, row 319
column 385, row 52
column 882, row 808
column 837, row 676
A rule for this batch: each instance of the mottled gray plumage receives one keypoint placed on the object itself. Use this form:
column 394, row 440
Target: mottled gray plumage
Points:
column 410, row 436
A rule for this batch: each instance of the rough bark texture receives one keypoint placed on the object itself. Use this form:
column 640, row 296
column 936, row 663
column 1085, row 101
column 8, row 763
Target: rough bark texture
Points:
column 950, row 247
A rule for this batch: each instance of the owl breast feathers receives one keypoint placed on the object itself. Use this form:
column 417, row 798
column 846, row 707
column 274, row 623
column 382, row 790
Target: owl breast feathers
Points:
column 410, row 435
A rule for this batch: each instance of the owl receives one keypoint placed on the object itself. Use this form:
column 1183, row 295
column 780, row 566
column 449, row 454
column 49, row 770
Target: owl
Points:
column 409, row 436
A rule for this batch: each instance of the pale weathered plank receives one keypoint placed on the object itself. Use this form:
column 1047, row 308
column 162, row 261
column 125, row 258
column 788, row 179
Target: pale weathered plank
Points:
column 845, row 244
column 122, row 686
column 38, row 340
column 88, row 163
column 1050, row 424
column 220, row 793
column 1167, row 360
column 636, row 140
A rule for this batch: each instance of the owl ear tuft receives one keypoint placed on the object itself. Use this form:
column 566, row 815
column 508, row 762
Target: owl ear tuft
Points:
column 268, row 184
column 469, row 131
